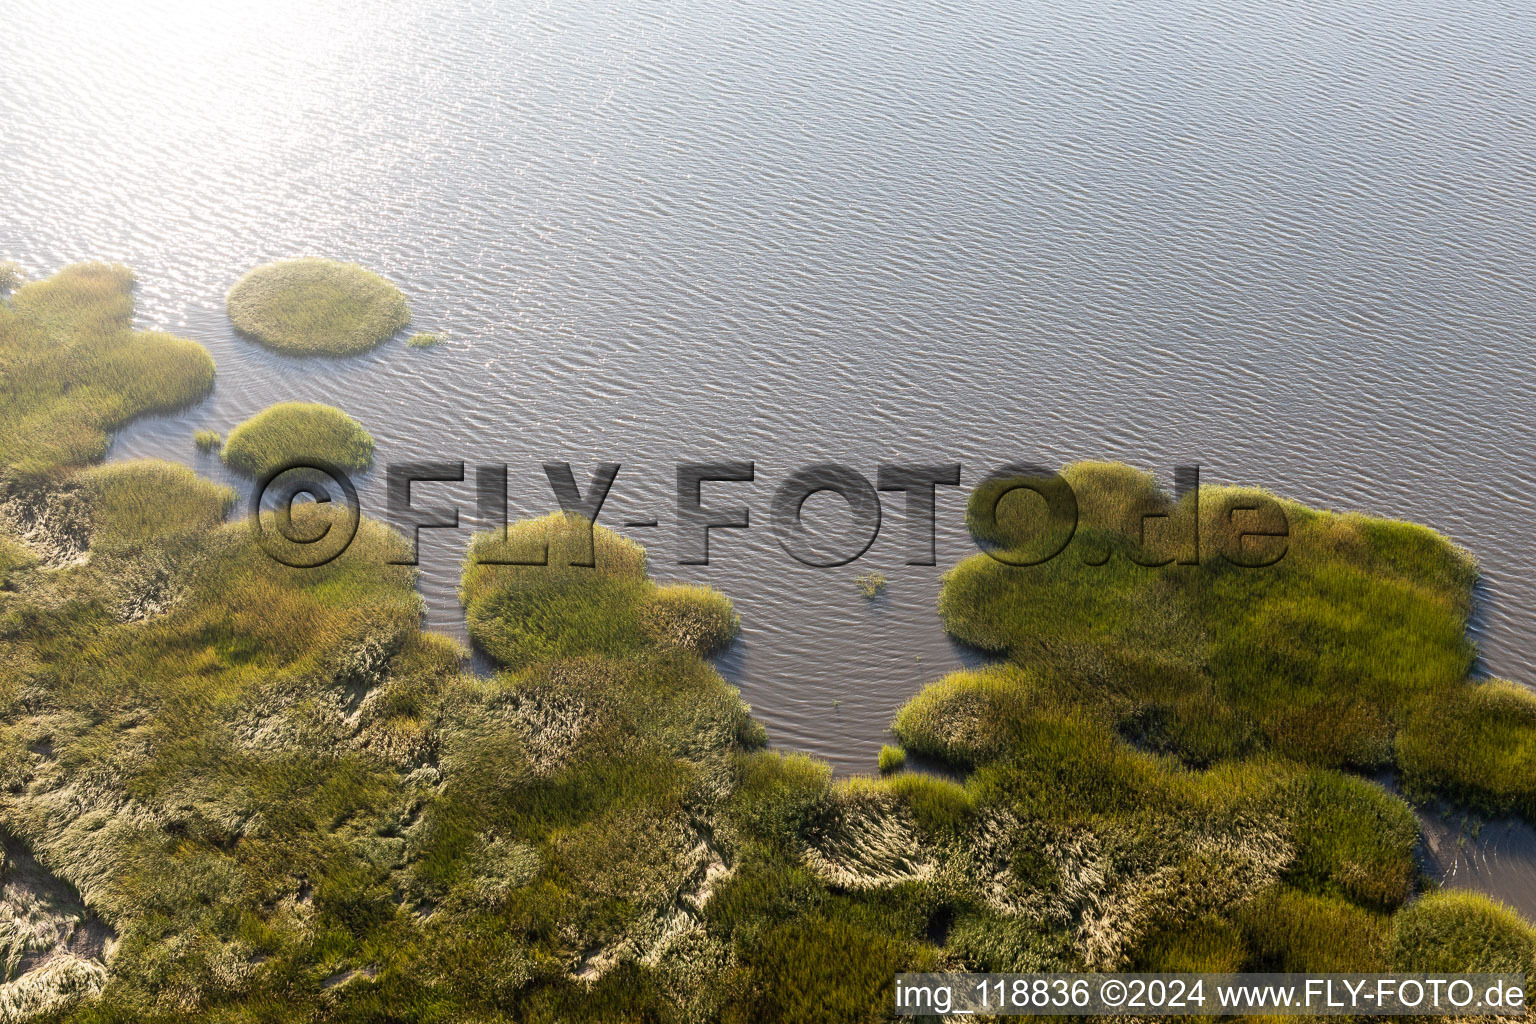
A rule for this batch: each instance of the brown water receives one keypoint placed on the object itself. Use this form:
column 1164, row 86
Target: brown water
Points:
column 1289, row 242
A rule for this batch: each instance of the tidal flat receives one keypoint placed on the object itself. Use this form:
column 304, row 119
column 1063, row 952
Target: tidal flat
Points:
column 235, row 790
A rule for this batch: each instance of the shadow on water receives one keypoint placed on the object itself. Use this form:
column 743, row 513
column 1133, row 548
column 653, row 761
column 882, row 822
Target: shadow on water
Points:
column 479, row 661
column 1477, row 625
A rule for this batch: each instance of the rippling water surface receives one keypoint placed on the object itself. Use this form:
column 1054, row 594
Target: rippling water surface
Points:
column 1292, row 243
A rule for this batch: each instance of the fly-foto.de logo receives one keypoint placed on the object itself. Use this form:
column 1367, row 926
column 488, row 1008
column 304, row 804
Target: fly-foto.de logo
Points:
column 1019, row 514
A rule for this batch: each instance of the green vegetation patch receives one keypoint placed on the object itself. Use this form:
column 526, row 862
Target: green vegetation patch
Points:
column 969, row 716
column 72, row 368
column 1353, row 839
column 291, row 432
column 1321, row 656
column 694, row 618
column 1476, row 745
column 424, row 339
column 1154, row 771
column 317, row 307
column 1290, row 931
column 207, row 440
column 891, row 759
column 285, row 801
column 186, row 740
column 1461, row 931
column 581, row 590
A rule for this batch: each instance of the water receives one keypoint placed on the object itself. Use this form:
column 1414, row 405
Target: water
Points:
column 1289, row 242
column 1463, row 851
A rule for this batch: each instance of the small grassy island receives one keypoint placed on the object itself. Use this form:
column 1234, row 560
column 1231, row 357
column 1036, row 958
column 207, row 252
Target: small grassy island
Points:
column 287, row 433
column 424, row 339
column 236, row 791
column 317, row 307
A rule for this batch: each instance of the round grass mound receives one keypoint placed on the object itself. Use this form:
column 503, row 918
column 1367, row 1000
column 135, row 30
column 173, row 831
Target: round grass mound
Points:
column 317, row 307
column 290, row 433
column 1461, row 931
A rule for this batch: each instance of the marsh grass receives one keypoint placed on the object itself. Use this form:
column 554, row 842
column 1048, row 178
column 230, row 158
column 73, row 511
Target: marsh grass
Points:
column 525, row 613
column 871, row 584
column 292, row 804
column 145, row 501
column 72, row 369
column 207, row 440
column 1319, row 657
column 1180, row 730
column 891, row 759
column 1290, row 931
column 244, row 764
column 694, row 618
column 1461, row 931
column 288, row 433
column 1353, row 839
column 424, row 339
column 1475, row 745
column 317, row 307
column 11, row 276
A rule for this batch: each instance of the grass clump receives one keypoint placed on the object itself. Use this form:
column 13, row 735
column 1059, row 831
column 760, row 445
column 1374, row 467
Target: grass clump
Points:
column 317, row 307
column 1183, row 729
column 11, row 276
column 820, row 971
column 1209, row 944
column 524, row 613
column 970, row 716
column 529, row 612
column 290, row 432
column 1461, row 932
column 871, row 584
column 892, row 759
column 1476, row 745
column 1353, row 839
column 207, row 440
column 74, row 369
column 694, row 618
column 424, row 339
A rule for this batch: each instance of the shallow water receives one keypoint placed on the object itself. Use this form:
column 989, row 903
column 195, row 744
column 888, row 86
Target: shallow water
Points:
column 1291, row 244
column 1498, row 857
